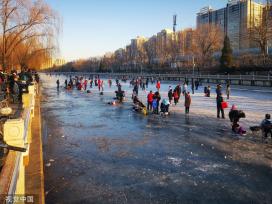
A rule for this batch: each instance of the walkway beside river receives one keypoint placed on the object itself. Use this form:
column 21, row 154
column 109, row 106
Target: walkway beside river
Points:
column 35, row 171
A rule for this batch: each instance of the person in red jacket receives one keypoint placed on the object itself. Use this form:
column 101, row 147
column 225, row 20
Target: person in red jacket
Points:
column 99, row 84
column 85, row 84
column 149, row 100
column 187, row 102
column 158, row 85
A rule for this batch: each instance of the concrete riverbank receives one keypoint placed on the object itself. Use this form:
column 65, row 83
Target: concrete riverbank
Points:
column 22, row 177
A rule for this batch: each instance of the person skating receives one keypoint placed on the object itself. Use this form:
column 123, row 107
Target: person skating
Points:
column 219, row 100
column 66, row 83
column 209, row 91
column 110, row 83
column 136, row 89
column 193, row 86
column 228, row 91
column 146, row 82
column 178, row 90
column 184, row 88
column 196, row 84
column 95, row 81
column 102, row 87
column 187, row 103
column 71, row 82
column 158, row 85
column 170, row 95
column 176, row 97
column 58, row 83
column 99, row 84
column 85, row 83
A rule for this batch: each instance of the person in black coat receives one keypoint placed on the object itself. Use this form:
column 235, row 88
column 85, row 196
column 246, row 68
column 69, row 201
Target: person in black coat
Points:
column 157, row 97
column 219, row 100
column 235, row 115
column 136, row 89
column 170, row 95
column 266, row 126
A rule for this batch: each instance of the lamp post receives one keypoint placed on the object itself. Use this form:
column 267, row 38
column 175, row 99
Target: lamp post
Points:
column 193, row 66
column 268, row 7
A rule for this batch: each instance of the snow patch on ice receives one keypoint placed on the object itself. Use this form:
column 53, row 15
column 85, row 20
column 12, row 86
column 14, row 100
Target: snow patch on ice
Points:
column 175, row 161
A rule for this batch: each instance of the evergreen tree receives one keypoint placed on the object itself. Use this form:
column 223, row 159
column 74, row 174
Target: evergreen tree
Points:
column 226, row 57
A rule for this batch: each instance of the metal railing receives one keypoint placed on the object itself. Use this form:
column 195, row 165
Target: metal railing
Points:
column 189, row 76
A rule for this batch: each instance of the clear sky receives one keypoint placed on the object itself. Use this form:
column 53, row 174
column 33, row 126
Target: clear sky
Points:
column 93, row 27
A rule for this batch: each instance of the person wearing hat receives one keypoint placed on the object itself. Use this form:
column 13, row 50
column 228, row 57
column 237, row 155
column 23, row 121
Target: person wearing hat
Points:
column 218, row 90
column 170, row 94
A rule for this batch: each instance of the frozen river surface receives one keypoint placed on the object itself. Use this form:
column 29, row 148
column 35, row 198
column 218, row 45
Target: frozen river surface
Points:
column 97, row 153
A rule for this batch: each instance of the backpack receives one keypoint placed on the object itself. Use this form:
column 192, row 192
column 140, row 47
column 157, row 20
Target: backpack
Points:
column 154, row 104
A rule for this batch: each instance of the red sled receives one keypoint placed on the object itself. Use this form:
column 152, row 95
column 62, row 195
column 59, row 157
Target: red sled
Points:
column 224, row 104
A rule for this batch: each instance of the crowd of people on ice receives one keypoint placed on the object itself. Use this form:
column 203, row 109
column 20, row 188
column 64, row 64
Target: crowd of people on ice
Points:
column 155, row 104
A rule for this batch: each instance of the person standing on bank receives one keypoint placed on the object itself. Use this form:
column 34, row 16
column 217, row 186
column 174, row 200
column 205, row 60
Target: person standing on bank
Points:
column 187, row 102
column 219, row 100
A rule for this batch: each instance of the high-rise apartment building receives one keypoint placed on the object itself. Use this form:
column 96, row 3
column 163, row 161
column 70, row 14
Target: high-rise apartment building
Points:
column 268, row 15
column 236, row 20
column 164, row 40
column 137, row 46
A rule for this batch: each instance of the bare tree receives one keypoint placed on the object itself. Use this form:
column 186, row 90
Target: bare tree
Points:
column 31, row 53
column 262, row 32
column 22, row 20
column 141, row 57
column 150, row 50
column 174, row 48
column 207, row 39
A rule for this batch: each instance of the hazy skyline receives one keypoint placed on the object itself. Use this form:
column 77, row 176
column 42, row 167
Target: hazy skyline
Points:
column 94, row 27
